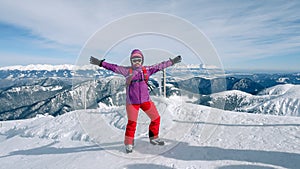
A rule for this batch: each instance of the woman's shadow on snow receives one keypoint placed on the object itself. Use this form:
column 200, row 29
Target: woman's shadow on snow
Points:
column 186, row 152
column 179, row 151
column 145, row 166
column 51, row 149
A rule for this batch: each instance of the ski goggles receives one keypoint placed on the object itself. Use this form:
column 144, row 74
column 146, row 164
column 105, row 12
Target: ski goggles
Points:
column 136, row 60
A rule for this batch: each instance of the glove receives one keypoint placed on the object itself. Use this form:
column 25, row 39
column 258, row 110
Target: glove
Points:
column 96, row 61
column 175, row 60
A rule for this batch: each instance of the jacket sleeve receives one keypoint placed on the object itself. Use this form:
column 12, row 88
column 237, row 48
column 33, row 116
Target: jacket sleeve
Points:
column 158, row 67
column 116, row 68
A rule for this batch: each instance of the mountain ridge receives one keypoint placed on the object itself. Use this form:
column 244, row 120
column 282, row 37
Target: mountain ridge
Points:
column 24, row 94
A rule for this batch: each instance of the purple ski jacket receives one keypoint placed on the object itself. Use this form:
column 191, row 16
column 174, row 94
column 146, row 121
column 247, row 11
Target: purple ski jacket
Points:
column 137, row 92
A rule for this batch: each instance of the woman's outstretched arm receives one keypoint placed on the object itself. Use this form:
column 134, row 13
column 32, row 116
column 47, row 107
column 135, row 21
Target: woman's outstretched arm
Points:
column 113, row 67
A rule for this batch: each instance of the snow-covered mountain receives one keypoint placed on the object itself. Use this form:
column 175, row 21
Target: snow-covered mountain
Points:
column 47, row 71
column 278, row 100
column 26, row 101
column 26, row 91
column 47, row 67
column 197, row 137
column 54, row 130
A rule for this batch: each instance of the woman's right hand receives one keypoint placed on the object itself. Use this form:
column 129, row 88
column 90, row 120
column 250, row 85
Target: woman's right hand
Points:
column 96, row 61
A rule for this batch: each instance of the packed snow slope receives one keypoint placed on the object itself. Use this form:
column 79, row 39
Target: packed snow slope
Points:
column 281, row 100
column 197, row 137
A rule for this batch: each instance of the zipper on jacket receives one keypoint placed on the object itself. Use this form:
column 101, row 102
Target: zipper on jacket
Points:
column 140, row 89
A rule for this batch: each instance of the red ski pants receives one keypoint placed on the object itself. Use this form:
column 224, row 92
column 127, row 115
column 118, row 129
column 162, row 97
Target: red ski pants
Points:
column 132, row 113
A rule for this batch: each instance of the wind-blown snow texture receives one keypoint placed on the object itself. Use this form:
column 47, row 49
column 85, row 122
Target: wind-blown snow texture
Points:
column 197, row 137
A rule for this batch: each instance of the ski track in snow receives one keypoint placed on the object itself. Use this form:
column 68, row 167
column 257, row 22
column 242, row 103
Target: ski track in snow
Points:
column 197, row 137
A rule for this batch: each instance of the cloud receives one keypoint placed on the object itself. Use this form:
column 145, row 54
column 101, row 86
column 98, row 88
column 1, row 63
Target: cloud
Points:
column 10, row 59
column 240, row 30
column 256, row 30
column 59, row 21
column 66, row 22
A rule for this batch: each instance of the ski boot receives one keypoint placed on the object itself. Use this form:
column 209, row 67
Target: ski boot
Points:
column 129, row 148
column 157, row 141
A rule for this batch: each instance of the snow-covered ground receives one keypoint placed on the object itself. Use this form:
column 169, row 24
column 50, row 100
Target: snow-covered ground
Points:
column 281, row 100
column 197, row 137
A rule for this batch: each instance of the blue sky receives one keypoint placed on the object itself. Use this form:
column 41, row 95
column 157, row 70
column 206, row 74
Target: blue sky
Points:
column 250, row 35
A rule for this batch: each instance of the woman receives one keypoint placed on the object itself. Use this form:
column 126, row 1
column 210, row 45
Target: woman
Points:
column 137, row 94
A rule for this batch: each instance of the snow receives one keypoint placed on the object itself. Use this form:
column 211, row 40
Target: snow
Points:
column 197, row 137
column 49, row 67
column 283, row 80
column 278, row 100
column 34, row 88
column 196, row 66
column 88, row 67
column 38, row 67
column 279, row 89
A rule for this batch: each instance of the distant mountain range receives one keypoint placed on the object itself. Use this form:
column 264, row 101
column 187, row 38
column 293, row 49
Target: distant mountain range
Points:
column 26, row 91
column 278, row 100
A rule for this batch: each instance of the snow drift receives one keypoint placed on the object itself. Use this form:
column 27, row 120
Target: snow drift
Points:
column 197, row 137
